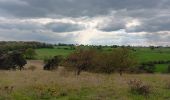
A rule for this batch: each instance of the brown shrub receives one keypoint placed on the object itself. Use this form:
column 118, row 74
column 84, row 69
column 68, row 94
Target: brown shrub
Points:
column 138, row 87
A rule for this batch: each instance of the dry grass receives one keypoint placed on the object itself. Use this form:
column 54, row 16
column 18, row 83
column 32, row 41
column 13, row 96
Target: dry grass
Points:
column 63, row 85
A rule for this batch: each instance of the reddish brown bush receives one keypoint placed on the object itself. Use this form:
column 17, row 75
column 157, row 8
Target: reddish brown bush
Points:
column 138, row 87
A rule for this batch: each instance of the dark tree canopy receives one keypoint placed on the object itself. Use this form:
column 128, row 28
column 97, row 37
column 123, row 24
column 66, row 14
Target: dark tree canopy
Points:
column 12, row 60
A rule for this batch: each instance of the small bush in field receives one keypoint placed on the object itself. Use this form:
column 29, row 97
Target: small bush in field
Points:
column 32, row 67
column 52, row 63
column 138, row 87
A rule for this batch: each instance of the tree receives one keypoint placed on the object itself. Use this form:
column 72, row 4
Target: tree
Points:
column 80, row 60
column 120, row 59
column 12, row 60
column 123, row 59
column 18, row 60
column 103, row 62
column 30, row 53
column 152, row 47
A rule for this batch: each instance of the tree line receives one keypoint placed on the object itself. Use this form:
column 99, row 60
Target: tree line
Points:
column 92, row 60
column 6, row 46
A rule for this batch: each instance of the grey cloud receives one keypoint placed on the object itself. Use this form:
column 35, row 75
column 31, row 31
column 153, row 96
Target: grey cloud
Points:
column 154, row 24
column 21, row 26
column 64, row 27
column 158, row 38
column 112, row 24
column 153, row 14
column 75, row 8
column 18, row 35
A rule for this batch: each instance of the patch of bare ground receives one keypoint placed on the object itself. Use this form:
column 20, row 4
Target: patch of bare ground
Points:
column 37, row 63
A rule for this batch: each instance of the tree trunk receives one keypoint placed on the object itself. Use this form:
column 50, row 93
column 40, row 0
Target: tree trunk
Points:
column 78, row 72
column 20, row 68
column 120, row 72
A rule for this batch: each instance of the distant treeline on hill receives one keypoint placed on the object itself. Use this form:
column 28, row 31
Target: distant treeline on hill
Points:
column 21, row 45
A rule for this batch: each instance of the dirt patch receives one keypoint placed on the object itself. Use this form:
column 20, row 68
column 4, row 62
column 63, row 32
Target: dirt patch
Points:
column 37, row 63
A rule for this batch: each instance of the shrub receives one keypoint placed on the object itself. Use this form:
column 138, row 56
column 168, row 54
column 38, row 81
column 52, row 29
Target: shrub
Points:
column 138, row 87
column 148, row 68
column 53, row 63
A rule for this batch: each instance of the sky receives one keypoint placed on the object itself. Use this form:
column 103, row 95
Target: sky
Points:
column 93, row 22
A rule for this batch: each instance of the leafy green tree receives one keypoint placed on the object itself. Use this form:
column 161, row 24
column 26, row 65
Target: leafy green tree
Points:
column 30, row 53
column 123, row 59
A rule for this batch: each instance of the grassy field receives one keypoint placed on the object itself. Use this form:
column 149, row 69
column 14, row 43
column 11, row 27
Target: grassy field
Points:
column 42, row 53
column 146, row 54
column 142, row 54
column 62, row 85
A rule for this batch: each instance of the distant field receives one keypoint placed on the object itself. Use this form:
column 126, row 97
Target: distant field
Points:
column 42, row 53
column 146, row 54
column 142, row 54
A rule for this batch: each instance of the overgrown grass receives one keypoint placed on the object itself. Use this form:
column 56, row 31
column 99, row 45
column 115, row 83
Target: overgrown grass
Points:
column 47, row 85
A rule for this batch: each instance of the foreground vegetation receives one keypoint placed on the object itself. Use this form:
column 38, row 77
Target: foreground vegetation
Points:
column 62, row 85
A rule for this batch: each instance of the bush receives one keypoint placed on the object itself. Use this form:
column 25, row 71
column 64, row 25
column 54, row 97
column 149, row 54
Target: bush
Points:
column 147, row 67
column 138, row 87
column 53, row 63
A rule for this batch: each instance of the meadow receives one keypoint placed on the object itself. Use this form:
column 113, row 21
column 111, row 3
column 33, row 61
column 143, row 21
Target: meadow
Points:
column 62, row 85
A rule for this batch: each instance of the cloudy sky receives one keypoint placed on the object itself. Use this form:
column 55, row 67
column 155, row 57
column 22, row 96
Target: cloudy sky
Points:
column 106, row 22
